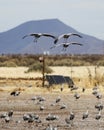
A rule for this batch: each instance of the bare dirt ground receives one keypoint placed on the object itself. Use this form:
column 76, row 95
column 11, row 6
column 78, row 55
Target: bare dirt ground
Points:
column 23, row 104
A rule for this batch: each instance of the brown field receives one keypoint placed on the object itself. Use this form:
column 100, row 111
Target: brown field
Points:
column 29, row 84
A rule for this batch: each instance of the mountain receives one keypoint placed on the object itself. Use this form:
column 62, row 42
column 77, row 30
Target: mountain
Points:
column 11, row 41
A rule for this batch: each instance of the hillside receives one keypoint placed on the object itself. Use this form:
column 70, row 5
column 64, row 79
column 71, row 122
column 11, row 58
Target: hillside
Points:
column 11, row 41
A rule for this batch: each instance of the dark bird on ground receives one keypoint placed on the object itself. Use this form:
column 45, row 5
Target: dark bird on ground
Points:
column 83, row 90
column 3, row 115
column 15, row 93
column 66, row 36
column 65, row 45
column 99, row 106
column 38, row 35
column 41, row 108
column 50, row 127
column 72, row 116
column 31, row 119
column 67, row 120
column 95, row 92
column 10, row 113
column 41, row 99
column 77, row 96
column 85, row 115
column 51, row 117
column 61, row 89
column 26, row 117
column 7, row 119
column 58, row 99
column 73, row 87
column 95, row 87
column 98, row 116
column 99, row 96
column 63, row 106
column 34, row 98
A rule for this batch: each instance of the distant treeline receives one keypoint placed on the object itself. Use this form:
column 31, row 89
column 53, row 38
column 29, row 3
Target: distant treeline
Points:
column 13, row 60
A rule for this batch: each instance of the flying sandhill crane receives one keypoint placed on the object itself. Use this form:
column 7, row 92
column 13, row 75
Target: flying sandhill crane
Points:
column 38, row 35
column 65, row 45
column 66, row 36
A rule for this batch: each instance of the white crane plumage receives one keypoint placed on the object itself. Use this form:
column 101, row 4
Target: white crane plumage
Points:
column 66, row 36
column 65, row 45
column 38, row 35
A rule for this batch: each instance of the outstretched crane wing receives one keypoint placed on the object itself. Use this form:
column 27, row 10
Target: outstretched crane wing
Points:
column 48, row 35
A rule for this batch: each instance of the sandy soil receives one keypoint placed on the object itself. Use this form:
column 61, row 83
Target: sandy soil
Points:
column 81, row 71
column 29, row 88
column 23, row 104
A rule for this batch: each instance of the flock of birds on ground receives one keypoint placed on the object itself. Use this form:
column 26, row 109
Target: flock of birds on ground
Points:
column 31, row 117
column 65, row 43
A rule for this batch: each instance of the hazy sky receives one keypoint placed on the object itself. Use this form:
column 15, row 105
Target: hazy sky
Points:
column 86, row 16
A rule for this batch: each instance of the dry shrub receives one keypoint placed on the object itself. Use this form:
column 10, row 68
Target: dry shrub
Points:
column 1, row 90
column 38, row 67
column 8, row 64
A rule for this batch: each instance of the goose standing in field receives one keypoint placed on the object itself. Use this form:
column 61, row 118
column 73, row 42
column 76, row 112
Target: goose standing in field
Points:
column 66, row 44
column 38, row 35
column 66, row 36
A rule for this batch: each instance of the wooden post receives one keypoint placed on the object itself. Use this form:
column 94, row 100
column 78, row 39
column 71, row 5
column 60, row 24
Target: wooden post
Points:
column 42, row 59
column 43, row 71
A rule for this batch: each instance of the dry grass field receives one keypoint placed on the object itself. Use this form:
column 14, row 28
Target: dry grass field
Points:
column 27, row 102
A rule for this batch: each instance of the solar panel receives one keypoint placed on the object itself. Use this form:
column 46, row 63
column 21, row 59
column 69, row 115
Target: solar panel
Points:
column 69, row 80
column 59, row 79
column 50, row 79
